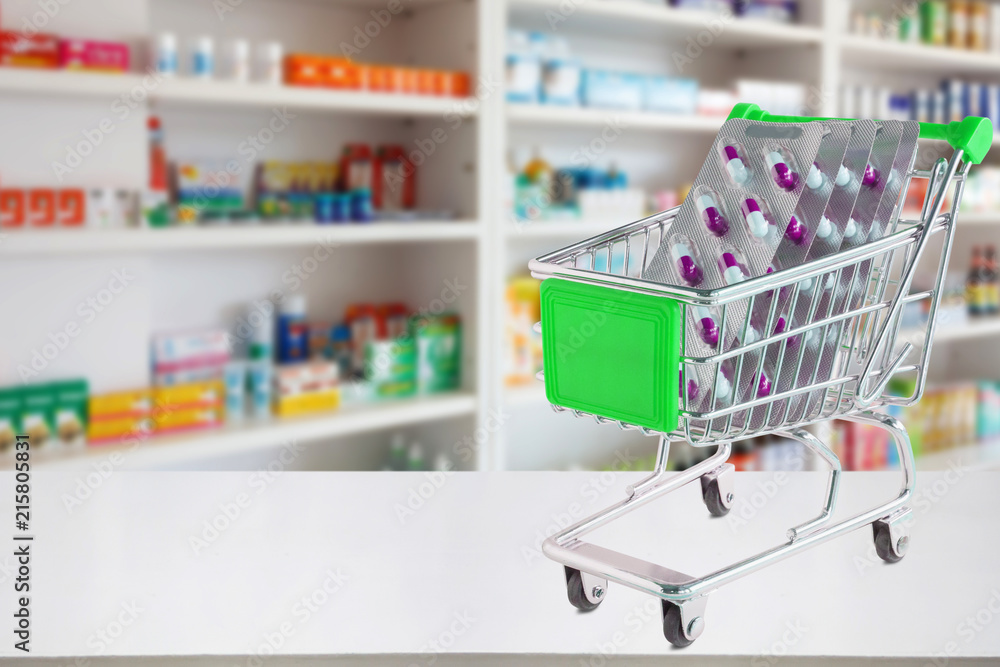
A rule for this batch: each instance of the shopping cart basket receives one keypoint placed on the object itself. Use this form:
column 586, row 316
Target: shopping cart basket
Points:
column 615, row 347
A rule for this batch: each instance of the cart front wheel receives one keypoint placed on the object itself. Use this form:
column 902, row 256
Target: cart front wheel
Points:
column 579, row 596
column 673, row 626
column 716, row 504
column 884, row 546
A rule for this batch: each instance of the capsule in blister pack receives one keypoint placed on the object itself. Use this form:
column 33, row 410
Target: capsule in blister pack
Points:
column 891, row 164
column 727, row 230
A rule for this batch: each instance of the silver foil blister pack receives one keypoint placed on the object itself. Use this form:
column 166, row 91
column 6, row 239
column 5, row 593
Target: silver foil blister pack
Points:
column 731, row 224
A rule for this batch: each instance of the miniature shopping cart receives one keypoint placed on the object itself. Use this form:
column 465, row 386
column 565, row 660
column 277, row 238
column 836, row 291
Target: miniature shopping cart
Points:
column 615, row 347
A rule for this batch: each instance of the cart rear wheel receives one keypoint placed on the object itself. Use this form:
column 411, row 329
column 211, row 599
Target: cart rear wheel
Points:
column 578, row 596
column 673, row 626
column 886, row 550
column 716, row 504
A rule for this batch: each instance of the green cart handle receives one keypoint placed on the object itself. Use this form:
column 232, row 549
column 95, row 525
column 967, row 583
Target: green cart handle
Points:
column 973, row 135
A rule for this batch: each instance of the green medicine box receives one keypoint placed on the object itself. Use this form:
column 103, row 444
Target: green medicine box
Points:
column 612, row 353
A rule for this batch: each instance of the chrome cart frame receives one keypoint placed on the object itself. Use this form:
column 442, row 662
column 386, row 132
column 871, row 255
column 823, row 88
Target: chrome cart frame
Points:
column 869, row 353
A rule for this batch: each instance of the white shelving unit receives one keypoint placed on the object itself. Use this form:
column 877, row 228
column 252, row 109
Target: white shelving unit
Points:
column 202, row 276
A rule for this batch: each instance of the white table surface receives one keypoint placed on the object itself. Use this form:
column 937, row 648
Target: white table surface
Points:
column 463, row 571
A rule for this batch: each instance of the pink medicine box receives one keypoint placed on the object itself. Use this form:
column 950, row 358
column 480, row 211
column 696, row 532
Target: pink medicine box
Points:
column 90, row 55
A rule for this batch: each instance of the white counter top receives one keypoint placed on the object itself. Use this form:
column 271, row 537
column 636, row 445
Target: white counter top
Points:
column 321, row 564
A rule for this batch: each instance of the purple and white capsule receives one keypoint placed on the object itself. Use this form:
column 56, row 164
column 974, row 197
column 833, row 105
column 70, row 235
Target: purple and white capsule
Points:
column 756, row 222
column 692, row 387
column 708, row 328
column 711, row 215
column 732, row 270
column 814, row 180
column 763, row 385
column 851, row 229
column 734, row 165
column 843, row 176
column 784, row 176
column 825, row 228
column 795, row 231
column 872, row 177
column 687, row 266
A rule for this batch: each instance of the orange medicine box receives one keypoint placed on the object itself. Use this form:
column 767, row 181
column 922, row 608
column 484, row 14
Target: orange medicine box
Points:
column 107, row 430
column 71, row 207
column 308, row 403
column 121, row 405
column 303, row 69
column 41, row 207
column 13, row 208
column 194, row 395
column 187, row 418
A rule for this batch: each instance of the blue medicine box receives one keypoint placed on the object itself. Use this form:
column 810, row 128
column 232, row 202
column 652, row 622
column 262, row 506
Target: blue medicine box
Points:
column 612, row 90
column 669, row 94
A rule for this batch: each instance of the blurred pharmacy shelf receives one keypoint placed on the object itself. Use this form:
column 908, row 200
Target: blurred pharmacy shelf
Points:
column 631, row 20
column 63, row 241
column 868, row 52
column 985, row 218
column 578, row 116
column 162, row 451
column 569, row 230
column 974, row 457
column 227, row 94
column 66, row 83
column 974, row 328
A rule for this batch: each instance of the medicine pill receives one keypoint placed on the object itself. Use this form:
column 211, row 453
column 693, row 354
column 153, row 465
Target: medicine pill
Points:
column 754, row 216
column 843, row 176
column 708, row 328
column 796, row 231
column 732, row 271
column 763, row 385
column 734, row 165
column 687, row 266
column 851, row 229
column 711, row 215
column 825, row 228
column 872, row 177
column 815, row 178
column 783, row 175
column 692, row 387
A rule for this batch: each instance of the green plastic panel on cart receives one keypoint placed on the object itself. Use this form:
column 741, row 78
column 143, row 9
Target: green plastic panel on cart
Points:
column 974, row 135
column 612, row 353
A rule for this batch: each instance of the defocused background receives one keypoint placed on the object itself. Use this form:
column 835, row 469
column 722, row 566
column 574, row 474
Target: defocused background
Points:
column 294, row 234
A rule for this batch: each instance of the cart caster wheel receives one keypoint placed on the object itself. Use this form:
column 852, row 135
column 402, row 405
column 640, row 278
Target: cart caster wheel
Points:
column 713, row 499
column 884, row 547
column 585, row 592
column 717, row 489
column 673, row 626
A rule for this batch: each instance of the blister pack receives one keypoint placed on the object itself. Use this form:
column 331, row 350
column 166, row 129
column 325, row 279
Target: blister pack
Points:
column 882, row 182
column 732, row 222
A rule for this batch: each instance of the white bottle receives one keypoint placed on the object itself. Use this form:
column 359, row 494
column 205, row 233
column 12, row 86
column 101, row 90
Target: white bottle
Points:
column 165, row 55
column 269, row 63
column 203, row 58
column 238, row 61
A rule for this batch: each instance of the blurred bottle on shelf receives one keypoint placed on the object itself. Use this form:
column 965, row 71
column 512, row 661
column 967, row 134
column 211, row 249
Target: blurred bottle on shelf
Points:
column 977, row 284
column 991, row 303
